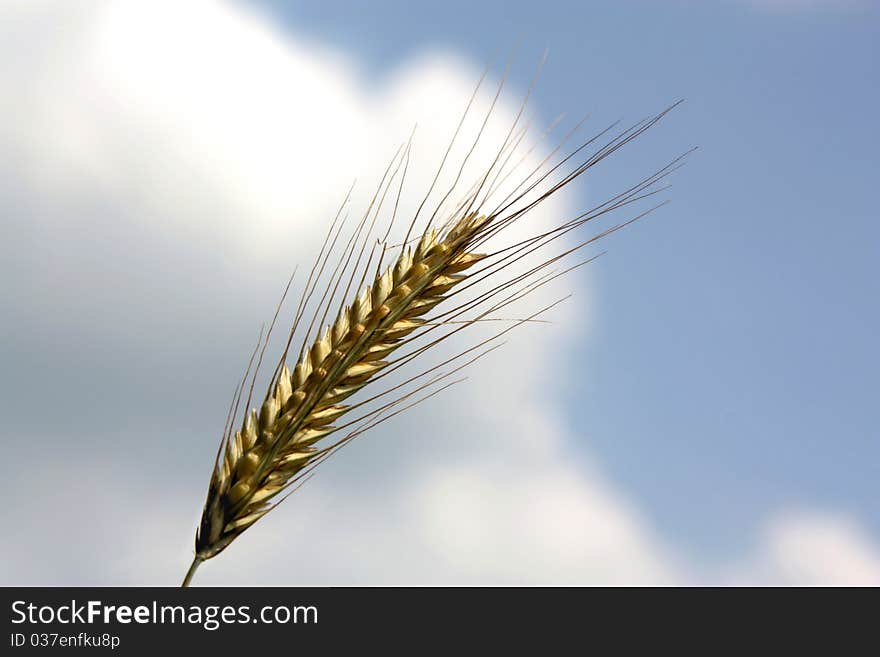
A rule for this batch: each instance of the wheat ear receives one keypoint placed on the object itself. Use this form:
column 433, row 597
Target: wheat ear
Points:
column 278, row 446
column 275, row 444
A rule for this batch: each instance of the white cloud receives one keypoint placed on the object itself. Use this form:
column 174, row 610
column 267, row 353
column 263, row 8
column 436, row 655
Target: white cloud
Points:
column 812, row 548
column 165, row 163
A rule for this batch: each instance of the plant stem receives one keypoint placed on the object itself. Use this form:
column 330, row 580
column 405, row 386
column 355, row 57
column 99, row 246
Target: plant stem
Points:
column 192, row 570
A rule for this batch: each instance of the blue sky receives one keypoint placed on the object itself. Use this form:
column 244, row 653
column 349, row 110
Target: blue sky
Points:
column 714, row 422
column 734, row 362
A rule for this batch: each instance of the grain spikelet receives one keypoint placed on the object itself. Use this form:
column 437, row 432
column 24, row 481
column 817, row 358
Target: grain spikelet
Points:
column 308, row 413
column 278, row 442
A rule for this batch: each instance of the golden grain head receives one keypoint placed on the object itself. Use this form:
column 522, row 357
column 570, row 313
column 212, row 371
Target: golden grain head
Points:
column 277, row 442
column 307, row 408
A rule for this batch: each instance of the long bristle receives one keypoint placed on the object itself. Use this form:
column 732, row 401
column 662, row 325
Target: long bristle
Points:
column 307, row 413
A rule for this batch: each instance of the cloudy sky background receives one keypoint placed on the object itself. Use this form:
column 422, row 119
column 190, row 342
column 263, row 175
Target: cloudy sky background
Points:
column 703, row 410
